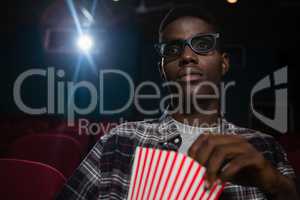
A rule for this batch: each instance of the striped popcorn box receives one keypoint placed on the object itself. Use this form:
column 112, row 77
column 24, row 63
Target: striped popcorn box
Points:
column 159, row 174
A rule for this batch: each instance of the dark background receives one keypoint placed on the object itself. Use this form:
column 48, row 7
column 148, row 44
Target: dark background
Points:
column 261, row 36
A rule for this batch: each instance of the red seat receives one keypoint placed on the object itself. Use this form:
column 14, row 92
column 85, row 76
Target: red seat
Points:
column 11, row 131
column 22, row 179
column 59, row 151
column 83, row 139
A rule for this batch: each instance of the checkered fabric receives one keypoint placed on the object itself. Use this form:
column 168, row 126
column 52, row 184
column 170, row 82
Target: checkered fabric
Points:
column 105, row 172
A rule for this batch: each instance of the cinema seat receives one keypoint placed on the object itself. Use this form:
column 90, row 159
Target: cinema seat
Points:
column 83, row 139
column 59, row 151
column 22, row 179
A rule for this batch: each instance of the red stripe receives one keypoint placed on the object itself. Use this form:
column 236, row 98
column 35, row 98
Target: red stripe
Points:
column 176, row 177
column 212, row 191
column 184, row 179
column 198, row 187
column 193, row 180
column 155, row 171
column 143, row 169
column 203, row 193
column 169, row 175
column 220, row 191
column 161, row 174
column 137, row 169
column 148, row 172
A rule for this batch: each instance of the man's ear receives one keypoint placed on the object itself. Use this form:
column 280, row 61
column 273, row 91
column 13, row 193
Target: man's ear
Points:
column 225, row 63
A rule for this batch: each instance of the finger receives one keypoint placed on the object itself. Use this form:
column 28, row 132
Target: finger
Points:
column 194, row 148
column 224, row 139
column 203, row 146
column 231, row 169
column 219, row 156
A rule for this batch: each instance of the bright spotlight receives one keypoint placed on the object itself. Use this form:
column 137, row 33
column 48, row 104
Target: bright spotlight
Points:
column 232, row 1
column 85, row 42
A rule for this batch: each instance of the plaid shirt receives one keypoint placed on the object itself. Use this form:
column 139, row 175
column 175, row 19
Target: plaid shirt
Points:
column 105, row 172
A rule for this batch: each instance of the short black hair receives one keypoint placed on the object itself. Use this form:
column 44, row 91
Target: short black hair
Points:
column 192, row 10
column 189, row 10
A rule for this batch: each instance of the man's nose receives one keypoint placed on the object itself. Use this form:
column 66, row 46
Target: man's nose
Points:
column 188, row 56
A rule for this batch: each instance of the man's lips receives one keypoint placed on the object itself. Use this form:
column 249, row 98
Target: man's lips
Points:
column 191, row 78
column 190, row 75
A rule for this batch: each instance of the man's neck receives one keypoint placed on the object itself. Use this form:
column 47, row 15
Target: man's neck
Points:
column 197, row 118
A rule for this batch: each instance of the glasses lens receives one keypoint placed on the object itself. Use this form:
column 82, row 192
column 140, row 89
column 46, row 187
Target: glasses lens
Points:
column 171, row 49
column 203, row 43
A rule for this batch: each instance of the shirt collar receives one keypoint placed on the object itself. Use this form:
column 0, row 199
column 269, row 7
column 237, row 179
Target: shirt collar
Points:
column 168, row 129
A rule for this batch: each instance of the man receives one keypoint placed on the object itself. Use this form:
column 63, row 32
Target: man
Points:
column 252, row 164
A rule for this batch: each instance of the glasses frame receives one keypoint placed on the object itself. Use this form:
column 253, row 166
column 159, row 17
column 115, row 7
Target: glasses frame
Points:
column 188, row 42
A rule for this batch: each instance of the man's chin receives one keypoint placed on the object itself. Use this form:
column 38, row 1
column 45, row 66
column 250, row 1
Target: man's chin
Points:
column 194, row 88
column 199, row 88
column 194, row 92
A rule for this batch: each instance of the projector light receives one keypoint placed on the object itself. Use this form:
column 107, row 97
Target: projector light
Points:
column 85, row 43
column 232, row 1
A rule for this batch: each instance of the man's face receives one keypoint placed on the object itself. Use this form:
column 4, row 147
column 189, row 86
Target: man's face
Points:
column 190, row 69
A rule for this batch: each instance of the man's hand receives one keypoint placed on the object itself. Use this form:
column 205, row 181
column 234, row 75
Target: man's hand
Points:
column 232, row 158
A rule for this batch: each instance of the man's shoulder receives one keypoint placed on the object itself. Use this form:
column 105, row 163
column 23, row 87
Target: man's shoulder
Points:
column 262, row 141
column 247, row 132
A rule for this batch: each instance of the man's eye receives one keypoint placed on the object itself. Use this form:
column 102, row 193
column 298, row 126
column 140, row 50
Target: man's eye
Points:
column 202, row 43
column 172, row 50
